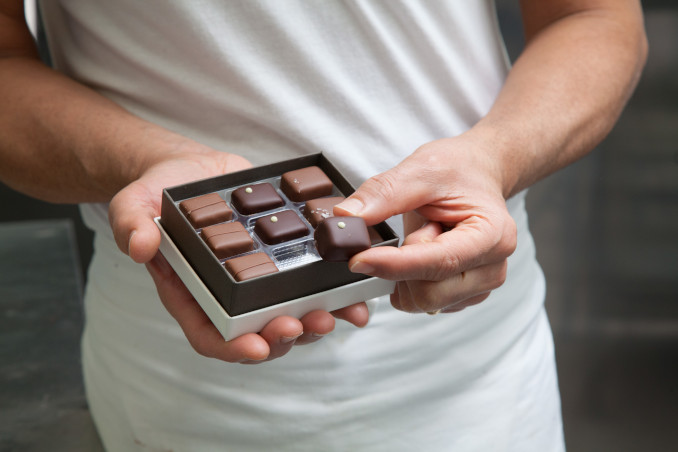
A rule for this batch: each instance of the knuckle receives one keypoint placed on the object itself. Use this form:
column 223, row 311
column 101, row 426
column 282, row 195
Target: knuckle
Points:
column 448, row 265
column 508, row 241
column 200, row 346
column 500, row 275
column 383, row 185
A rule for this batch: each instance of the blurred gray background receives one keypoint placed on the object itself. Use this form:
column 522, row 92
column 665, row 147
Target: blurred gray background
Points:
column 606, row 232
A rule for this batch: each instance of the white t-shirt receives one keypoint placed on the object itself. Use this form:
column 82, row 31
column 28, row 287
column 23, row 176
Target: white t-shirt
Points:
column 366, row 82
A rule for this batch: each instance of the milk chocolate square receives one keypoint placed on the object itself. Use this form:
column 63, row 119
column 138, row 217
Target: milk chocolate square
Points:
column 227, row 239
column 280, row 227
column 337, row 239
column 305, row 183
column 256, row 198
column 250, row 266
column 317, row 210
column 205, row 210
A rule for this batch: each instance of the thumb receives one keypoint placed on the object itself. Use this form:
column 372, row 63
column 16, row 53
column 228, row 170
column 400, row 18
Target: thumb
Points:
column 393, row 192
column 131, row 217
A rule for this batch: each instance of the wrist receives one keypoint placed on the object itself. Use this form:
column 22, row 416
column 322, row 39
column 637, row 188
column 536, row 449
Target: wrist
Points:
column 507, row 157
column 492, row 155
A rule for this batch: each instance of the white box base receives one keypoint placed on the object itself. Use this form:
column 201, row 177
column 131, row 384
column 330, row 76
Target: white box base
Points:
column 254, row 321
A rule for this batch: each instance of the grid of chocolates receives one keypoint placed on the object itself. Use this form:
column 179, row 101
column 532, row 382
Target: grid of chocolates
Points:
column 277, row 223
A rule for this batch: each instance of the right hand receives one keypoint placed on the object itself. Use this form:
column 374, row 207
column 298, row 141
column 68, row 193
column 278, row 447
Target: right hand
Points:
column 131, row 214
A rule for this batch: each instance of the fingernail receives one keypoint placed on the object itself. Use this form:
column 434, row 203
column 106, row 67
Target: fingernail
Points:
column 318, row 335
column 361, row 267
column 129, row 242
column 250, row 360
column 352, row 206
column 288, row 339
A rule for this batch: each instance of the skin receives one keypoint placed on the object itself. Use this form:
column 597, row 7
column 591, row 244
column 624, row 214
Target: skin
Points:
column 581, row 63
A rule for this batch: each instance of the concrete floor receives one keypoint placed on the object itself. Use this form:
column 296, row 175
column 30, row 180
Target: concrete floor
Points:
column 606, row 233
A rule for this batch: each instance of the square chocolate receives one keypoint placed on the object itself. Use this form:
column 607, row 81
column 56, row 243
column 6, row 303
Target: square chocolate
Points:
column 205, row 210
column 280, row 227
column 227, row 239
column 305, row 183
column 337, row 239
column 317, row 210
column 256, row 198
column 250, row 266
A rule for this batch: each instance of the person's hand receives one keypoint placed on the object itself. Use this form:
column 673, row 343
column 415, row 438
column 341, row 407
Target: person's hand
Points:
column 459, row 233
column 131, row 214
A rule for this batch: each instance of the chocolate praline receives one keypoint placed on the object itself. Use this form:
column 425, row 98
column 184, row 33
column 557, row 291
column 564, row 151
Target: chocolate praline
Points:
column 256, row 198
column 206, row 210
column 305, row 183
column 250, row 266
column 317, row 210
column 227, row 239
column 337, row 239
column 280, row 227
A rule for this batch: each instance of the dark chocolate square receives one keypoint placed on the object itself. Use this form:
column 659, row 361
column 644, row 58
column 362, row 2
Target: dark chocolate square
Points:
column 206, row 210
column 250, row 266
column 305, row 183
column 337, row 239
column 317, row 210
column 256, row 198
column 227, row 239
column 280, row 227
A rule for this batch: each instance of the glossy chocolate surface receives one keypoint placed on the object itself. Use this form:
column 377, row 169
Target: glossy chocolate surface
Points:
column 317, row 210
column 250, row 266
column 227, row 239
column 256, row 198
column 339, row 238
column 305, row 183
column 280, row 227
column 205, row 210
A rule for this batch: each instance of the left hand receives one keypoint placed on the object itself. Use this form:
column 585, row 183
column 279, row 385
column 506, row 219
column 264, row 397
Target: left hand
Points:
column 459, row 233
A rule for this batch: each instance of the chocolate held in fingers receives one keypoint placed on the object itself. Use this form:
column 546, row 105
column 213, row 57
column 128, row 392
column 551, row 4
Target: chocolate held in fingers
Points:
column 337, row 239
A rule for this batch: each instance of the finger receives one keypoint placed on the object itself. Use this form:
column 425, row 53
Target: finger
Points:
column 384, row 195
column 131, row 214
column 197, row 327
column 403, row 300
column 396, row 296
column 317, row 324
column 356, row 314
column 281, row 333
column 429, row 296
column 470, row 244
column 426, row 233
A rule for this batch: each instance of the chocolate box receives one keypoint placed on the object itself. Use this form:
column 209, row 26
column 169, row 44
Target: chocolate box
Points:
column 304, row 281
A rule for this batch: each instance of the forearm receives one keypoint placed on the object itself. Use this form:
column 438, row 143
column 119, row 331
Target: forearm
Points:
column 564, row 93
column 63, row 142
